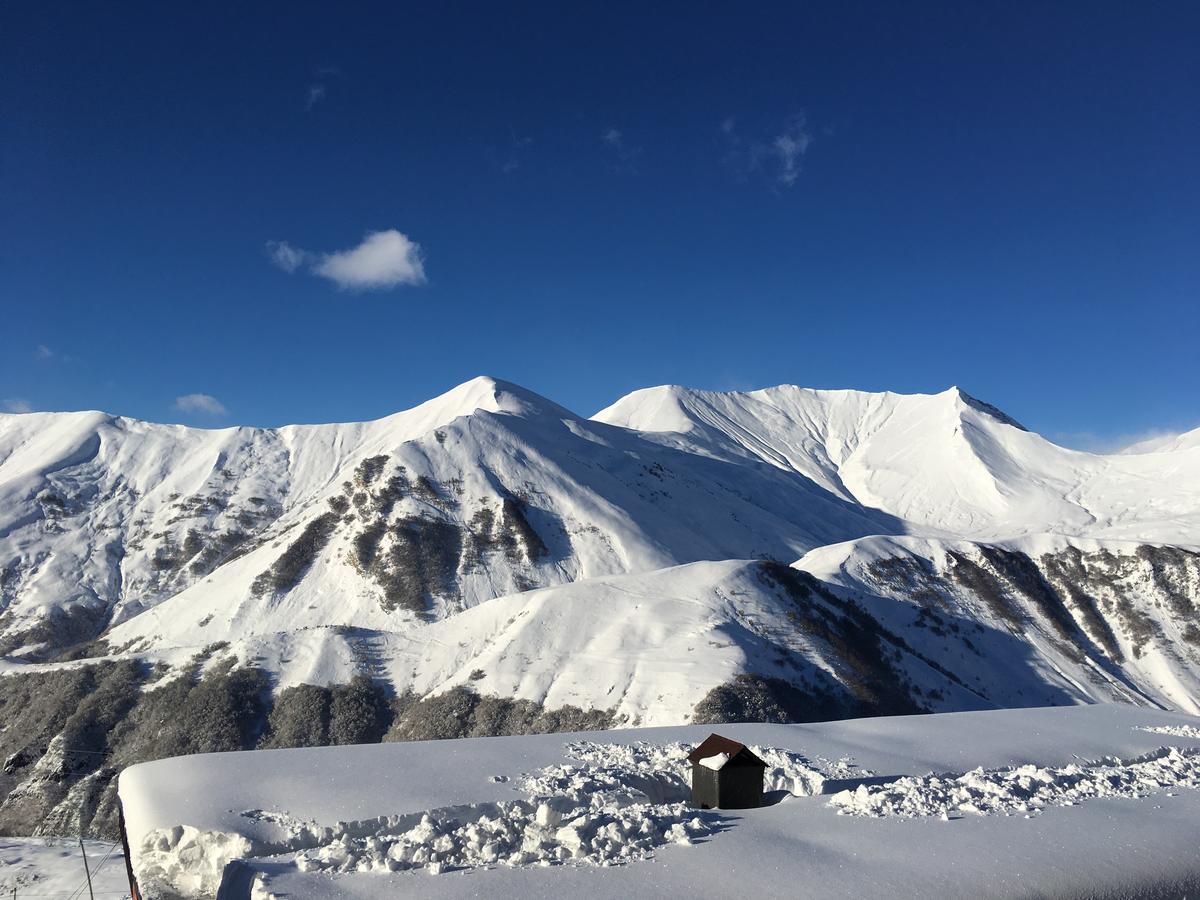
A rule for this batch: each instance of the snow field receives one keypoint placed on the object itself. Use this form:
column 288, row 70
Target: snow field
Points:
column 53, row 867
column 1027, row 789
column 616, row 803
column 293, row 806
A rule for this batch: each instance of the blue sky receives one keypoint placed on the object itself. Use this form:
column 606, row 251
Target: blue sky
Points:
column 591, row 199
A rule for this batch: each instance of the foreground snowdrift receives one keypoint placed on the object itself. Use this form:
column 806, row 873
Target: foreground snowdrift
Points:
column 607, row 816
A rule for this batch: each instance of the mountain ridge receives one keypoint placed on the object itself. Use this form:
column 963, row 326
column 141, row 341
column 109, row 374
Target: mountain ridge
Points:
column 489, row 561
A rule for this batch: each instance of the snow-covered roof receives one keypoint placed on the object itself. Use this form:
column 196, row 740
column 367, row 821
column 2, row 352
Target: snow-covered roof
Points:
column 718, row 745
column 716, row 763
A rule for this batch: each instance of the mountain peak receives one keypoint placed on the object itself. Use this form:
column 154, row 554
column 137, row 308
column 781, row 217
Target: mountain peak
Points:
column 480, row 394
column 490, row 394
column 987, row 409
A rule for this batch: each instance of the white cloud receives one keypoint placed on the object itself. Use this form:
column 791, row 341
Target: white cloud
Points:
column 384, row 259
column 778, row 158
column 286, row 256
column 16, row 405
column 43, row 352
column 201, row 403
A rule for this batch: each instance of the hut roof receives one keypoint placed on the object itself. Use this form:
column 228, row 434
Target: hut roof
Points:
column 739, row 754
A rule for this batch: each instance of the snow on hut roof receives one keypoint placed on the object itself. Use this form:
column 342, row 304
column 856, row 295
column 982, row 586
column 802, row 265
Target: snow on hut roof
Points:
column 715, row 745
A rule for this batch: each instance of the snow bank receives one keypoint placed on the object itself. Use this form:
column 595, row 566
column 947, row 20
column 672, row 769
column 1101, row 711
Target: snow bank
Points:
column 1025, row 789
column 186, row 860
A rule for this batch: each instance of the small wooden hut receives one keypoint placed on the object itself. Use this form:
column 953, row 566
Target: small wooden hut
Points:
column 726, row 775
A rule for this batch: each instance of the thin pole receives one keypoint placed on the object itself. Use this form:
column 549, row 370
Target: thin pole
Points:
column 86, row 871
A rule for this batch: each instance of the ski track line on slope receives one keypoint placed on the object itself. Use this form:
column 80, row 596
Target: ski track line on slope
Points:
column 1027, row 790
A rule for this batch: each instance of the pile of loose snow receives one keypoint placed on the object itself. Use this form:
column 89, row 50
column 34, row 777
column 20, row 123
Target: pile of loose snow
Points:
column 614, row 804
column 186, row 860
column 1187, row 731
column 1025, row 789
column 619, row 803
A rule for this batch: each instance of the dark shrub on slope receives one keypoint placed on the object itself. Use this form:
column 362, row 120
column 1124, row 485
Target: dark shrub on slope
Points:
column 299, row 718
column 460, row 712
column 287, row 571
column 358, row 712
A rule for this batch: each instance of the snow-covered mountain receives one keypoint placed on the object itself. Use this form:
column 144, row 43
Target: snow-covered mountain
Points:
column 784, row 554
column 944, row 463
column 485, row 491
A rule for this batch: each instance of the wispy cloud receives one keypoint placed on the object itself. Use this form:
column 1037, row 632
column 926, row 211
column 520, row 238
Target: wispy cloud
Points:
column 318, row 90
column 43, row 352
column 1127, row 442
column 286, row 256
column 384, row 259
column 777, row 157
column 316, row 93
column 16, row 405
column 205, row 404
column 623, row 154
column 509, row 157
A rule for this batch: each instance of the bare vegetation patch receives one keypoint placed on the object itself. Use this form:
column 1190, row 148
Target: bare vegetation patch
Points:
column 460, row 712
column 287, row 571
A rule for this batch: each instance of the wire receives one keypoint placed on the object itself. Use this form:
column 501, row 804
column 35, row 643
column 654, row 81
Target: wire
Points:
column 96, row 871
column 79, row 890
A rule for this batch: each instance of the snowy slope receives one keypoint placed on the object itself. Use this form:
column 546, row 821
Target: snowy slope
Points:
column 53, row 867
column 1048, row 803
column 1188, row 440
column 1100, row 620
column 962, row 626
column 945, row 463
column 482, row 492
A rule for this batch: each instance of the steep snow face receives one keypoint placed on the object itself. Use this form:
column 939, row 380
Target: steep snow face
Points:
column 946, row 463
